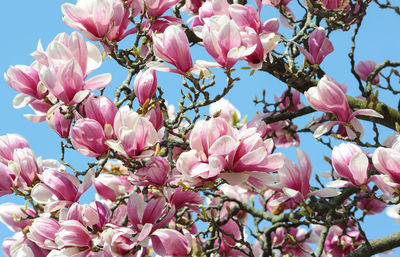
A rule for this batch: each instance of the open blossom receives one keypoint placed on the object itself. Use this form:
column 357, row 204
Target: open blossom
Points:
column 169, row 242
column 43, row 232
column 117, row 241
column 156, row 8
column 25, row 79
column 20, row 245
column 10, row 210
column 58, row 189
column 65, row 65
column 339, row 243
column 192, row 6
column 26, row 166
column 350, row 162
column 154, row 173
column 387, row 162
column 330, row 97
column 7, row 180
column 319, row 46
column 252, row 159
column 8, row 143
column 293, row 245
column 172, row 46
column 210, row 9
column 294, row 181
column 145, row 217
column 73, row 234
column 210, row 141
column 97, row 19
column 111, row 186
column 364, row 68
column 84, row 213
column 88, row 137
column 134, row 133
column 254, row 32
column 222, row 40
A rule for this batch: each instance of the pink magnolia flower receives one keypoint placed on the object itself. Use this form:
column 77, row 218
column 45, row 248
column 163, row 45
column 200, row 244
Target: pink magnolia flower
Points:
column 134, row 134
column 145, row 217
column 339, row 243
column 293, row 245
column 111, row 186
column 65, row 66
column 393, row 141
column 214, row 136
column 101, row 109
column 155, row 116
column 172, row 46
column 25, row 79
column 145, row 85
column 156, row 8
column 370, row 206
column 225, row 110
column 211, row 141
column 19, row 245
column 264, row 43
column 25, row 166
column 274, row 206
column 294, row 181
column 335, row 4
column 330, row 97
column 245, row 16
column 290, row 100
column 319, row 46
column 228, row 241
column 222, row 40
column 43, row 232
column 252, row 160
column 387, row 162
column 349, row 162
column 8, row 143
column 73, row 234
column 97, row 19
column 154, row 173
column 180, row 199
column 169, row 242
column 10, row 210
column 210, row 9
column 7, row 181
column 192, row 6
column 57, row 121
column 118, row 241
column 58, row 189
column 364, row 68
column 104, row 213
column 83, row 213
column 89, row 138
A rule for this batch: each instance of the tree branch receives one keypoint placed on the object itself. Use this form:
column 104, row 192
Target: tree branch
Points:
column 377, row 246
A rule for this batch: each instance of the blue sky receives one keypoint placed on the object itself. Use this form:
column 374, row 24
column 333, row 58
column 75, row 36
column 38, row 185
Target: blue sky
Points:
column 23, row 23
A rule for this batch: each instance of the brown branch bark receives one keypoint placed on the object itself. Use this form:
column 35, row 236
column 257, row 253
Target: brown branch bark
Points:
column 377, row 246
column 302, row 83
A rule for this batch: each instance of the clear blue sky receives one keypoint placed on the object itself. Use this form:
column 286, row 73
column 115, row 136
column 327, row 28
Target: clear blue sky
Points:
column 24, row 22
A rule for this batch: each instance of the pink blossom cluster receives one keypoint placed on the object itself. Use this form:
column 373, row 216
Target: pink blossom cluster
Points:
column 157, row 174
